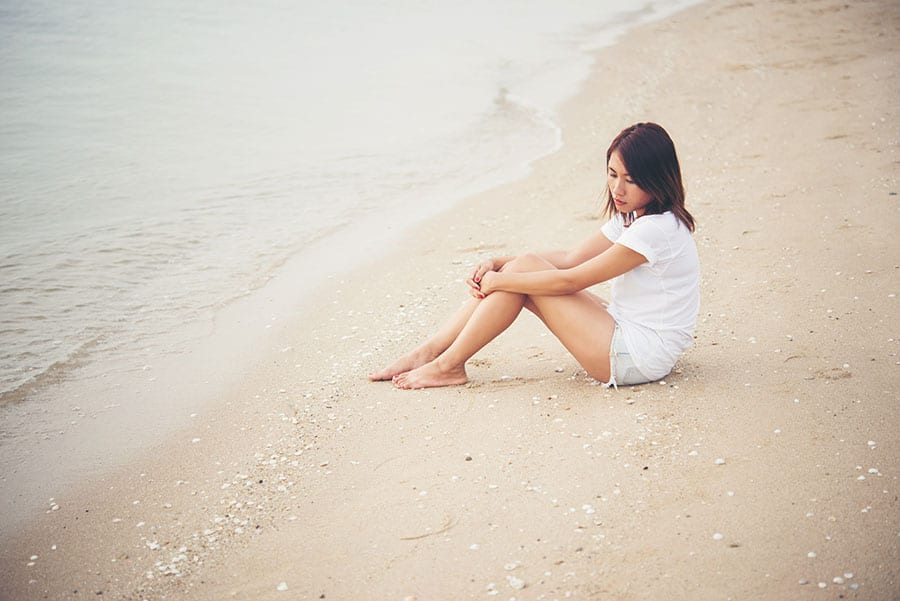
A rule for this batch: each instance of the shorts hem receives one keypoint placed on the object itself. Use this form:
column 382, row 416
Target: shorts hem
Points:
column 622, row 369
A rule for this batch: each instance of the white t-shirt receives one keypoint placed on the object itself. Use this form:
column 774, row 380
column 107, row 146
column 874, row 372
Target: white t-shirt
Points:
column 656, row 303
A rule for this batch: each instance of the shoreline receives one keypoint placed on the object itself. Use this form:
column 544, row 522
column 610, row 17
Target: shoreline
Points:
column 52, row 445
column 312, row 477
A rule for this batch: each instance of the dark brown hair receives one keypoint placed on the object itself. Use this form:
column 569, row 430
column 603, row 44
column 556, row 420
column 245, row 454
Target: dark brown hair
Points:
column 648, row 154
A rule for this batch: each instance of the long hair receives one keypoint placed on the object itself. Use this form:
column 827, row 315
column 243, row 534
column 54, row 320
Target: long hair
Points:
column 648, row 154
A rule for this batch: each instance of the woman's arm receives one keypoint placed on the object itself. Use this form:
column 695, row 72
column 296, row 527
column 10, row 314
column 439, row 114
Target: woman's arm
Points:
column 561, row 259
column 591, row 247
column 493, row 264
column 615, row 261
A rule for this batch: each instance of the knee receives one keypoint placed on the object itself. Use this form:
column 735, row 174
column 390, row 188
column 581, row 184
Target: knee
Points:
column 527, row 262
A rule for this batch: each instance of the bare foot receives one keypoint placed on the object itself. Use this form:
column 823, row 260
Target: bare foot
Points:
column 415, row 358
column 431, row 375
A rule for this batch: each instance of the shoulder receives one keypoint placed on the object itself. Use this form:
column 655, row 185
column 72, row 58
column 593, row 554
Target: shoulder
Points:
column 613, row 228
column 661, row 237
column 661, row 221
column 665, row 225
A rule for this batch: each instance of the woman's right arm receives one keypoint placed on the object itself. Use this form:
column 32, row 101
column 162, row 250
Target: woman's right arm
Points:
column 561, row 259
column 587, row 250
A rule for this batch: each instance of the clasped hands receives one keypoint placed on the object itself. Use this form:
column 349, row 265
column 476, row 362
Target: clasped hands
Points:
column 480, row 282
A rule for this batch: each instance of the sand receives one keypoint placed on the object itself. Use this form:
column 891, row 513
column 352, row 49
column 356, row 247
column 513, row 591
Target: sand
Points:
column 763, row 467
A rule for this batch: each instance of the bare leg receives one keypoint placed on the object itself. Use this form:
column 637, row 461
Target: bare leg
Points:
column 491, row 317
column 579, row 320
column 432, row 347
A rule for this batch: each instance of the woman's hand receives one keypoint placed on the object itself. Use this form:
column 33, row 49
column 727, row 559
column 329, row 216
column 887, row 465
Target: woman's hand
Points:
column 485, row 287
column 482, row 268
column 475, row 280
column 488, row 283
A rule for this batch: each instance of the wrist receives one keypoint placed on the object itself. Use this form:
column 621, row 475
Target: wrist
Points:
column 496, row 281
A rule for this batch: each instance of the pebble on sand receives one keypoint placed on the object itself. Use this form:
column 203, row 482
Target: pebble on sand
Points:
column 282, row 586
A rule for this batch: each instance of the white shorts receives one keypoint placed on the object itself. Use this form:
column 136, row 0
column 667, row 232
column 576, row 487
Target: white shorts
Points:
column 622, row 369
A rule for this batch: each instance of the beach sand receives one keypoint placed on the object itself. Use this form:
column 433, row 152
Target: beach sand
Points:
column 764, row 467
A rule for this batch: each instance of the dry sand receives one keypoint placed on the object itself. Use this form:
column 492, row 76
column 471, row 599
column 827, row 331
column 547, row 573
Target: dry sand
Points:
column 764, row 467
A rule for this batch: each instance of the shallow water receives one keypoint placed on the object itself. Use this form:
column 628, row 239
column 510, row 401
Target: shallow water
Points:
column 159, row 161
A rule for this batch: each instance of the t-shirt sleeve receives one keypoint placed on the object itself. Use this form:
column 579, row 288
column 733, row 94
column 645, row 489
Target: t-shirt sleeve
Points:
column 640, row 238
column 613, row 228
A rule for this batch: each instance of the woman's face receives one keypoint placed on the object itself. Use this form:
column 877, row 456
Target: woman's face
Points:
column 626, row 194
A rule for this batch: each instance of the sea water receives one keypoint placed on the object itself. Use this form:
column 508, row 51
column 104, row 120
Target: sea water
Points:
column 159, row 160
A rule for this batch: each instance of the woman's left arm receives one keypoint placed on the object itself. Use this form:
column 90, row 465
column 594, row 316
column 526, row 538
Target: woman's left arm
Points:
column 556, row 282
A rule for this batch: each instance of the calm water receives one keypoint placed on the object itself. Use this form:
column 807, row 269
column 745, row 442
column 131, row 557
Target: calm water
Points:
column 159, row 160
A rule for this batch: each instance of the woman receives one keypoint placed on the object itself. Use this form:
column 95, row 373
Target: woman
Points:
column 645, row 248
